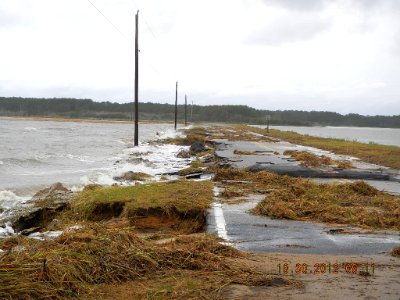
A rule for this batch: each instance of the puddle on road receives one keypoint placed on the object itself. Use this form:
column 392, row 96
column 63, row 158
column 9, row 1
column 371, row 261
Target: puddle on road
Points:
column 261, row 234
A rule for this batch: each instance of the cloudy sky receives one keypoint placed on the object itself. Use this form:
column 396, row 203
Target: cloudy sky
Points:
column 332, row 55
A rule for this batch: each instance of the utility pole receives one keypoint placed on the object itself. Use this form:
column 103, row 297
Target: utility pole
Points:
column 185, row 110
column 176, row 105
column 136, row 139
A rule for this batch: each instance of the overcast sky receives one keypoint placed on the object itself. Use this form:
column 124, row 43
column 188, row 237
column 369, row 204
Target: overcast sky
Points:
column 332, row 55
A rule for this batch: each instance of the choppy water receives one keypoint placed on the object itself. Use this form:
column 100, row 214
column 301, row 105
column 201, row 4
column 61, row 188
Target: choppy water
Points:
column 36, row 154
column 384, row 136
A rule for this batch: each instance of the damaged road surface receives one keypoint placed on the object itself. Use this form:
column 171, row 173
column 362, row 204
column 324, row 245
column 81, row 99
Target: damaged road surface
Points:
column 263, row 234
column 268, row 156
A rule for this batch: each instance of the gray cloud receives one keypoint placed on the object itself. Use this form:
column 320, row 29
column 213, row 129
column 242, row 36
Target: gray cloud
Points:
column 288, row 30
column 376, row 4
column 318, row 5
column 299, row 5
column 395, row 49
column 373, row 5
column 9, row 19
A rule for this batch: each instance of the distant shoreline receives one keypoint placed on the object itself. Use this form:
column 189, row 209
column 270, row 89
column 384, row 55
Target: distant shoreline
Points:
column 228, row 114
column 81, row 120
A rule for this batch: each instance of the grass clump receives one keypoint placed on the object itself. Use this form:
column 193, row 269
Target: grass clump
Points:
column 237, row 133
column 240, row 152
column 396, row 252
column 308, row 159
column 196, row 163
column 178, row 197
column 193, row 135
column 190, row 170
column 355, row 203
column 232, row 191
column 134, row 176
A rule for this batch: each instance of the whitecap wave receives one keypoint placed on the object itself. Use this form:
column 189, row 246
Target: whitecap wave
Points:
column 170, row 134
column 78, row 158
column 9, row 202
column 30, row 128
column 21, row 162
column 9, row 199
column 98, row 178
column 6, row 230
column 154, row 159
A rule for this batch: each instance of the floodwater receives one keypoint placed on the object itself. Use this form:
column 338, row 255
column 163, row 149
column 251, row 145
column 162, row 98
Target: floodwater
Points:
column 36, row 154
column 384, row 136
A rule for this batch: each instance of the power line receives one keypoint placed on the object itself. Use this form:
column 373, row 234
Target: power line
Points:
column 145, row 21
column 146, row 58
column 148, row 26
column 109, row 21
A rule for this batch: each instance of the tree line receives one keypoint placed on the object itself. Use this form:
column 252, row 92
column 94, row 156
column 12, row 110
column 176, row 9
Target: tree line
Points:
column 86, row 108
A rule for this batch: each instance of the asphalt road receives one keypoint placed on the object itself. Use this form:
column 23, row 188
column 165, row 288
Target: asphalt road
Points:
column 262, row 234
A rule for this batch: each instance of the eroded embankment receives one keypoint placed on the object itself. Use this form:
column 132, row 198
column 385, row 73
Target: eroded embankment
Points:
column 116, row 234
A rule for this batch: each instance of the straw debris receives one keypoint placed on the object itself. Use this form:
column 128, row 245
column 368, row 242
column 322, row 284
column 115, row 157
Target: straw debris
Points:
column 76, row 263
column 308, row 159
column 353, row 203
column 396, row 252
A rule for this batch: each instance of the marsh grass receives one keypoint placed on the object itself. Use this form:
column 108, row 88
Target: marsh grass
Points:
column 241, row 152
column 134, row 176
column 237, row 133
column 396, row 252
column 232, row 191
column 308, row 159
column 193, row 135
column 75, row 264
column 203, row 135
column 190, row 170
column 355, row 203
column 181, row 197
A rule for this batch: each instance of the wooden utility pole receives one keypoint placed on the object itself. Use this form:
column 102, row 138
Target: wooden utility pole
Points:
column 185, row 110
column 176, row 105
column 136, row 140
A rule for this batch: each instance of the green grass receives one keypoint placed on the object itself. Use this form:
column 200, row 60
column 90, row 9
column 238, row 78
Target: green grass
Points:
column 190, row 170
column 182, row 196
column 384, row 155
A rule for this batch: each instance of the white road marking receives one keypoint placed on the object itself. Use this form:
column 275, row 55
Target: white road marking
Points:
column 219, row 216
